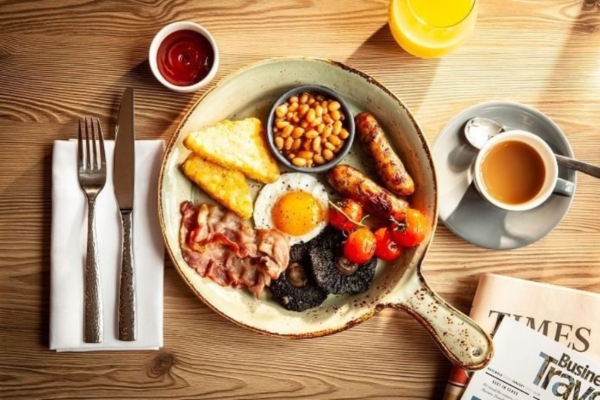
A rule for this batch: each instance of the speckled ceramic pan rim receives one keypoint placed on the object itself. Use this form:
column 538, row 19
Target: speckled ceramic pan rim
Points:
column 397, row 285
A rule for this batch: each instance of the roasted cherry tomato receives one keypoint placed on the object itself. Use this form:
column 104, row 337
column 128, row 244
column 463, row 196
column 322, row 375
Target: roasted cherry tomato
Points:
column 386, row 249
column 412, row 230
column 360, row 246
column 345, row 216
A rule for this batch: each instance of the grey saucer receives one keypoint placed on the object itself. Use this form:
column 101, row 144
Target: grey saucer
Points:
column 462, row 209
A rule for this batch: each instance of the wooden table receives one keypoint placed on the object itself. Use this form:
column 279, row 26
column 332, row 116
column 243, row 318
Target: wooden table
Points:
column 62, row 60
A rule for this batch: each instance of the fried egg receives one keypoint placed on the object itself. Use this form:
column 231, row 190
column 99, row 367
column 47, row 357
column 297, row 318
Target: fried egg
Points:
column 296, row 204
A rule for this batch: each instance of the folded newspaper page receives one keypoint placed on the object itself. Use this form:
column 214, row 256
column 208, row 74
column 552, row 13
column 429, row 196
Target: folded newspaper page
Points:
column 529, row 365
column 560, row 313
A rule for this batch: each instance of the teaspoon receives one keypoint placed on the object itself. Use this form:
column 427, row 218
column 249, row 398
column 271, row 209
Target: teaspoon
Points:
column 479, row 130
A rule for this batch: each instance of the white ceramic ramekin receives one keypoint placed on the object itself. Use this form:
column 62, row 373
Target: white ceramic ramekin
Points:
column 166, row 31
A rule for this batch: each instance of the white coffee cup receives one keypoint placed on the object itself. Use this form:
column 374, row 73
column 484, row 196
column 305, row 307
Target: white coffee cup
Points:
column 550, row 182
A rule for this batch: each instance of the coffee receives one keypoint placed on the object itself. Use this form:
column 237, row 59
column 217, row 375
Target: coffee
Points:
column 513, row 172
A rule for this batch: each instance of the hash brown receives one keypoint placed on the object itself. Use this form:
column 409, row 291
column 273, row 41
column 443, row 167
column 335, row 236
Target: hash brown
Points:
column 226, row 186
column 237, row 145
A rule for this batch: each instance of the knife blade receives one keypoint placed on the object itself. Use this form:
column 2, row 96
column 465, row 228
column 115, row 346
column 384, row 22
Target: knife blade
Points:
column 124, row 181
column 124, row 170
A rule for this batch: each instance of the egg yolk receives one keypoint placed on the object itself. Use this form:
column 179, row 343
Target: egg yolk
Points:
column 297, row 213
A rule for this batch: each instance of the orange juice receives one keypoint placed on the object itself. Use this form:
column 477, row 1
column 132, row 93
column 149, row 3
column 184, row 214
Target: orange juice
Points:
column 432, row 28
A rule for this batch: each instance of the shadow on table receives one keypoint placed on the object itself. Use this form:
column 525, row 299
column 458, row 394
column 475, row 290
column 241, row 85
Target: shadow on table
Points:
column 46, row 201
column 407, row 76
column 570, row 68
column 157, row 108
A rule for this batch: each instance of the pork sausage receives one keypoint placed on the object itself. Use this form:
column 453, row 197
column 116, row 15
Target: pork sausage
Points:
column 388, row 165
column 352, row 183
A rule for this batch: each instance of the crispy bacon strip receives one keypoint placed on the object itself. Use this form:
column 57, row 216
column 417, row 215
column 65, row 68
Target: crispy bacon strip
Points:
column 220, row 246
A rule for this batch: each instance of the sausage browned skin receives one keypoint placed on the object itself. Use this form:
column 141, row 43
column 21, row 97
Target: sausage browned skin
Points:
column 352, row 183
column 388, row 165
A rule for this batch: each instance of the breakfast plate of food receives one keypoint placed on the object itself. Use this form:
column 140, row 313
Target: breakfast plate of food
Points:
column 298, row 197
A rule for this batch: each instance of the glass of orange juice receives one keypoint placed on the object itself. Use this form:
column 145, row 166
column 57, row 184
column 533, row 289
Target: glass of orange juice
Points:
column 431, row 28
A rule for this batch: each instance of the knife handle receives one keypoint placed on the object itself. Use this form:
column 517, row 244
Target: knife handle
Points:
column 127, row 303
column 93, row 324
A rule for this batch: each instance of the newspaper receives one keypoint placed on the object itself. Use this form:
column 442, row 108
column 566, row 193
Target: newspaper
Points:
column 560, row 313
column 529, row 365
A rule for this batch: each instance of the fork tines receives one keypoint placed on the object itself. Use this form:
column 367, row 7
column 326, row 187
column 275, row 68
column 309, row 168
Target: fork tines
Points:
column 89, row 159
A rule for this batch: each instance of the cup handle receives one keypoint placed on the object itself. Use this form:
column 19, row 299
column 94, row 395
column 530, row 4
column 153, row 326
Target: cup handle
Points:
column 564, row 187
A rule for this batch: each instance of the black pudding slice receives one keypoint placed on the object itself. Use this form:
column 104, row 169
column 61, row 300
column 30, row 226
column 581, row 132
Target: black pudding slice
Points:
column 296, row 289
column 331, row 268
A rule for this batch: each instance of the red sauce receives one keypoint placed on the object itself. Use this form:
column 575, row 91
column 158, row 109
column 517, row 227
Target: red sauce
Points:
column 185, row 57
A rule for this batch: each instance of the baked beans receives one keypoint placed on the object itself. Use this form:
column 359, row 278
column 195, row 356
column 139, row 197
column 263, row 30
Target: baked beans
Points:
column 312, row 123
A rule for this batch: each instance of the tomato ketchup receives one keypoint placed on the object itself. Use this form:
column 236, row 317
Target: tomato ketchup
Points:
column 185, row 57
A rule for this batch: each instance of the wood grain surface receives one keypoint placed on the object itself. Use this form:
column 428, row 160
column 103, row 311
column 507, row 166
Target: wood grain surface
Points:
column 61, row 60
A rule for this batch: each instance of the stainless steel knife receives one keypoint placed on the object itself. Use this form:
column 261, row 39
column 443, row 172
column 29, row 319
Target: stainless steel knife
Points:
column 124, row 180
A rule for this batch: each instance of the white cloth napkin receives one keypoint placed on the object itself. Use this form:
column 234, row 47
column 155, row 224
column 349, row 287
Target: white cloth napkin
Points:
column 69, row 238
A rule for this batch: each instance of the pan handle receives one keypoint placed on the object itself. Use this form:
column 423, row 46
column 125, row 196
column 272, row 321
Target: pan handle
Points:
column 464, row 342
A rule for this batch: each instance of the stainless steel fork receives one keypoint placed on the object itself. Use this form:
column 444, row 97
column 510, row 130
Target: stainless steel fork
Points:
column 91, row 170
